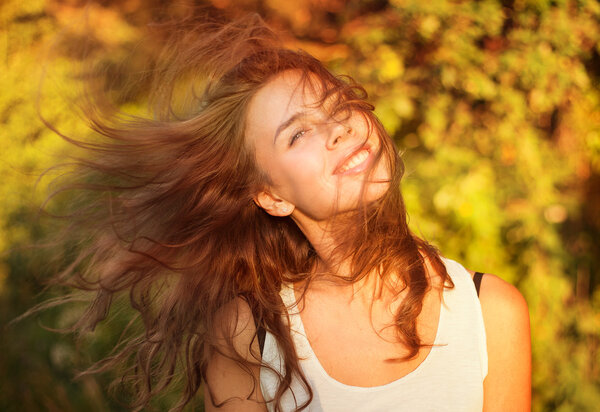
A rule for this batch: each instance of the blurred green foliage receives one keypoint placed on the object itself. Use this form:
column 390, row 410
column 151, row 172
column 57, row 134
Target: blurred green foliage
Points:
column 495, row 105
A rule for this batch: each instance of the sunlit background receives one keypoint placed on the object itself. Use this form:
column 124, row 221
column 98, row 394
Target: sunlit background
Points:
column 494, row 104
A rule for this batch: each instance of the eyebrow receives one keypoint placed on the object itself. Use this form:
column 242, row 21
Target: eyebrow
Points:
column 286, row 124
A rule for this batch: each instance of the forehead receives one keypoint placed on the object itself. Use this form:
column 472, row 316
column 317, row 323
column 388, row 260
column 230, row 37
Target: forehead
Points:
column 292, row 87
column 281, row 97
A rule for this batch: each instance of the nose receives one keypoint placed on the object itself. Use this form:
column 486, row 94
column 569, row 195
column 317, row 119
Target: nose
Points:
column 339, row 132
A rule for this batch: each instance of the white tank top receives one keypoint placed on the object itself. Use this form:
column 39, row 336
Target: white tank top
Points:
column 450, row 378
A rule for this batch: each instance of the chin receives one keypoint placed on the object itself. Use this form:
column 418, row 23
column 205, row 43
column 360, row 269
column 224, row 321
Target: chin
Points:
column 376, row 191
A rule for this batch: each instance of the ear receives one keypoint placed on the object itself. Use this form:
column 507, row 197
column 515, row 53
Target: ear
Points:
column 273, row 205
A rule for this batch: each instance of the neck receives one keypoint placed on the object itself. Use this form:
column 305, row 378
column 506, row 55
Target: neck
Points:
column 320, row 235
column 333, row 269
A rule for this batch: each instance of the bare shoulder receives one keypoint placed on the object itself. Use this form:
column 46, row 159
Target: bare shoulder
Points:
column 235, row 319
column 233, row 370
column 506, row 317
column 498, row 297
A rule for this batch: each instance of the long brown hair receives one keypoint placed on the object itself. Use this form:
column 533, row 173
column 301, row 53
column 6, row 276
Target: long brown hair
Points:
column 174, row 225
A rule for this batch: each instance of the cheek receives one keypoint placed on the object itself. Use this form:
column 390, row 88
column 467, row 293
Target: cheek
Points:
column 379, row 182
column 302, row 176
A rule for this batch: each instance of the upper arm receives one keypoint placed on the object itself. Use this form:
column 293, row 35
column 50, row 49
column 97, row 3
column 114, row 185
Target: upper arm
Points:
column 227, row 379
column 506, row 317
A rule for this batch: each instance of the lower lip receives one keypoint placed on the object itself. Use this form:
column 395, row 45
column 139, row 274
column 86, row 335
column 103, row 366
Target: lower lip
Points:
column 359, row 168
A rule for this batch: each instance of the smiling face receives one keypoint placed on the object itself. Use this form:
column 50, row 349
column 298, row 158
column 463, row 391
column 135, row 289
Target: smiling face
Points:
column 317, row 161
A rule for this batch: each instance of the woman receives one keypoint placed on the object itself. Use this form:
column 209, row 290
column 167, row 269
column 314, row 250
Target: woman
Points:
column 257, row 226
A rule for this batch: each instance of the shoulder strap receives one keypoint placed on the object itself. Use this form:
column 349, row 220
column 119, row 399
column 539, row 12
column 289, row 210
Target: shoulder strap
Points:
column 261, row 333
column 260, row 330
column 477, row 281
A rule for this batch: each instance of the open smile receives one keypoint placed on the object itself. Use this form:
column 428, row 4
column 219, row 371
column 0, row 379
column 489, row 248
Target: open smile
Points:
column 357, row 162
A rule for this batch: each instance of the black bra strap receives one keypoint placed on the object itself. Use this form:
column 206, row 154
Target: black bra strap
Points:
column 477, row 281
column 261, row 332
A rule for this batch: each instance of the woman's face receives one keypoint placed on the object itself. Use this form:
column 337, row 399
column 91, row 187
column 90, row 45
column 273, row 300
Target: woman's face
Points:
column 316, row 164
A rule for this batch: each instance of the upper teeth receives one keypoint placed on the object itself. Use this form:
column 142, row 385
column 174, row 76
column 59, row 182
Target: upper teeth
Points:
column 355, row 160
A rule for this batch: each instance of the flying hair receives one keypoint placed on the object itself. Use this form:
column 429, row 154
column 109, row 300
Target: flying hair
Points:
column 170, row 222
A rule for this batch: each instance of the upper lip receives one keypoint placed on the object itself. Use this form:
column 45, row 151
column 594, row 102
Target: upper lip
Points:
column 362, row 146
